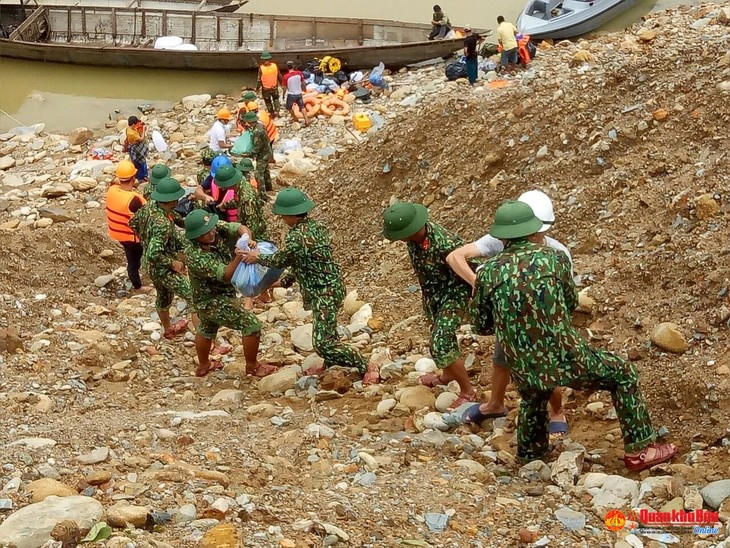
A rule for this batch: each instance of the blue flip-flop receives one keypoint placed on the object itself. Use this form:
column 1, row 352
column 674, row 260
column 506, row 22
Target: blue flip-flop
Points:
column 558, row 428
column 474, row 416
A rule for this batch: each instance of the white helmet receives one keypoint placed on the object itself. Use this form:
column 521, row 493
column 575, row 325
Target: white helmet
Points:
column 541, row 206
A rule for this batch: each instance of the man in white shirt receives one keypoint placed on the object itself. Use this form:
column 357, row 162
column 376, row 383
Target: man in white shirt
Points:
column 506, row 35
column 218, row 140
column 488, row 246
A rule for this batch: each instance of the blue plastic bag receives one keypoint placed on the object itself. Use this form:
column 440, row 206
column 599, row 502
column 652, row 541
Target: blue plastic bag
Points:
column 252, row 279
column 376, row 76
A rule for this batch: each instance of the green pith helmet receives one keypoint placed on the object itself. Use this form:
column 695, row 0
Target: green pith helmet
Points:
column 246, row 165
column 249, row 96
column 292, row 201
column 266, row 56
column 227, row 176
column 403, row 219
column 250, row 117
column 514, row 220
column 207, row 155
column 159, row 172
column 168, row 190
column 199, row 222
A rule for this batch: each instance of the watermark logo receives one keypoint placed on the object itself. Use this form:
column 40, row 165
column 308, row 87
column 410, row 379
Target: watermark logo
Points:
column 615, row 520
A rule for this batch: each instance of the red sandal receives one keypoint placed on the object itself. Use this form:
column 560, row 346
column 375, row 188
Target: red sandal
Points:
column 640, row 461
column 214, row 364
column 262, row 370
column 431, row 380
column 372, row 375
column 176, row 329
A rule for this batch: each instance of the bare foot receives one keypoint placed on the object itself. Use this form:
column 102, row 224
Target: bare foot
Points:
column 262, row 370
column 492, row 408
column 144, row 290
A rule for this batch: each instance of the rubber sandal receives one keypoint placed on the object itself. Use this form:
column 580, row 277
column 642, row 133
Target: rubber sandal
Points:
column 371, row 376
column 213, row 365
column 461, row 400
column 221, row 350
column 558, row 429
column 263, row 370
column 431, row 380
column 474, row 415
column 662, row 453
column 176, row 329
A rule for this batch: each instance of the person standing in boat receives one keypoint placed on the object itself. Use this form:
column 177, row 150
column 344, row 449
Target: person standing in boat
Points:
column 471, row 41
column 507, row 37
column 137, row 146
column 269, row 79
column 294, row 82
column 441, row 24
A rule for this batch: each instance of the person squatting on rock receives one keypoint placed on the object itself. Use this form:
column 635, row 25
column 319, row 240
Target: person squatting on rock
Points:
column 155, row 225
column 122, row 202
column 211, row 265
column 445, row 295
column 525, row 296
column 267, row 82
column 136, row 145
column 441, row 24
column 489, row 246
column 307, row 253
column 261, row 153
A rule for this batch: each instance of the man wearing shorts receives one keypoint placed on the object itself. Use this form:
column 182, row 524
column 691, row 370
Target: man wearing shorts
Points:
column 506, row 35
column 489, row 246
column 211, row 265
column 294, row 82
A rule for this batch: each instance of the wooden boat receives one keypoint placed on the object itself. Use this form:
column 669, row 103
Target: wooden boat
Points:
column 124, row 37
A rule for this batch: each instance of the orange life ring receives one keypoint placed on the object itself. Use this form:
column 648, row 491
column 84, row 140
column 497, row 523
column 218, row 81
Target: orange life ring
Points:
column 311, row 104
column 335, row 106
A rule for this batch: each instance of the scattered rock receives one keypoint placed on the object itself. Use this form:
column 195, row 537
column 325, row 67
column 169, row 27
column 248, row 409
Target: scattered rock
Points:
column 227, row 396
column 616, row 492
column 715, row 493
column 57, row 190
column 43, row 488
column 80, row 135
column 84, row 183
column 660, row 114
column 221, row 536
column 191, row 102
column 571, row 520
column 281, row 381
column 582, row 56
column 123, row 514
column 6, row 162
column 98, row 478
column 567, row 468
column 417, row 397
column 301, row 337
column 668, row 337
column 646, row 35
column 31, row 526
column 100, row 454
column 706, row 207
column 444, row 400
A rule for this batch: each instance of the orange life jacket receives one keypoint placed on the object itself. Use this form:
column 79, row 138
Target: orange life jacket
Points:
column 118, row 213
column 522, row 50
column 269, row 75
column 228, row 195
column 271, row 130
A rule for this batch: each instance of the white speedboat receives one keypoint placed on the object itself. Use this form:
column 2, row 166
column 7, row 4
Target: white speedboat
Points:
column 568, row 18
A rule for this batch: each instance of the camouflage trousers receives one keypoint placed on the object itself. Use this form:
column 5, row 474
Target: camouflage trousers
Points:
column 271, row 99
column 327, row 343
column 168, row 284
column 226, row 312
column 444, row 345
column 598, row 370
column 263, row 176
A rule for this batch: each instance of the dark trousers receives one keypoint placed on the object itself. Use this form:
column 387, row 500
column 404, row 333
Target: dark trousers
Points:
column 133, row 253
column 439, row 32
column 471, row 70
column 271, row 99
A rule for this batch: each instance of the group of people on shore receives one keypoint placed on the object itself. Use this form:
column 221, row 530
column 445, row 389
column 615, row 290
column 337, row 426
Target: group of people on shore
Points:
column 523, row 293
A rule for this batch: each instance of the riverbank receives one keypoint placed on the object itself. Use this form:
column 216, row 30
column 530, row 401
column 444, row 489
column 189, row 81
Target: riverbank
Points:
column 628, row 135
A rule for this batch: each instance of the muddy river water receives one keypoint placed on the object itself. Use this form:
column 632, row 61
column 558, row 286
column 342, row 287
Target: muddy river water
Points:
column 66, row 96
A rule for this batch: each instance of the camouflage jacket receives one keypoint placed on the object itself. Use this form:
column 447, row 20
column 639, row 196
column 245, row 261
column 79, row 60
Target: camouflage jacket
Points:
column 162, row 242
column 439, row 284
column 206, row 267
column 261, row 145
column 250, row 209
column 307, row 252
column 525, row 295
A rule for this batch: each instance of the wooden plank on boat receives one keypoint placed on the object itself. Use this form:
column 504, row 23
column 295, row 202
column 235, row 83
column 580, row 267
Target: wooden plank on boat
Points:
column 114, row 25
column 83, row 22
column 144, row 24
column 28, row 24
column 164, row 24
column 361, row 34
column 68, row 27
column 240, row 33
column 272, row 30
column 217, row 28
column 194, row 19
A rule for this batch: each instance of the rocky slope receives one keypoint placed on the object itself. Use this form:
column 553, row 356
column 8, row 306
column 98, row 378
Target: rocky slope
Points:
column 628, row 133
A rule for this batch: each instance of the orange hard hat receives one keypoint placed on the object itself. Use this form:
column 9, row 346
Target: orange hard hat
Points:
column 252, row 105
column 224, row 114
column 126, row 170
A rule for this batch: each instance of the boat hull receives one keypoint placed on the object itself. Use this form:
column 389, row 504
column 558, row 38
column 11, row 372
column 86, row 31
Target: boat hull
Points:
column 577, row 25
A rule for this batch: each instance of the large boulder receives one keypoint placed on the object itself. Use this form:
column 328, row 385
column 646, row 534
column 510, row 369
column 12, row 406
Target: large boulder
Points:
column 80, row 135
column 281, row 381
column 31, row 526
column 417, row 397
column 195, row 101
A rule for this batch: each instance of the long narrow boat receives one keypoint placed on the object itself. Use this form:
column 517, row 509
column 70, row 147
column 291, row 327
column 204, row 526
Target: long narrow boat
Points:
column 124, row 37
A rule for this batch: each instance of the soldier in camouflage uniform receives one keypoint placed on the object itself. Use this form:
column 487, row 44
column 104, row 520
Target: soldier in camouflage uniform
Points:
column 261, row 152
column 157, row 173
column 525, row 295
column 207, row 155
column 246, row 200
column 445, row 296
column 155, row 226
column 307, row 252
column 211, row 265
